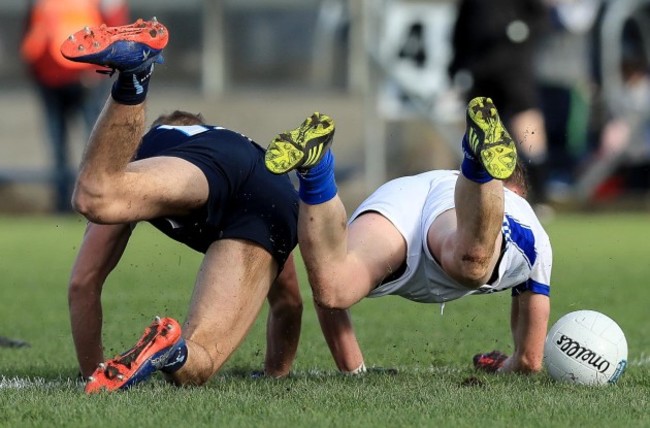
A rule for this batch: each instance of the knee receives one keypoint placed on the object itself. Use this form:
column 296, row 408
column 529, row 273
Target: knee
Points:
column 470, row 268
column 332, row 291
column 86, row 201
column 329, row 298
column 92, row 201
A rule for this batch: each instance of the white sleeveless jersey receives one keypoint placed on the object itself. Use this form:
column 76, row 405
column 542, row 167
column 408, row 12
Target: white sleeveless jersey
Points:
column 413, row 203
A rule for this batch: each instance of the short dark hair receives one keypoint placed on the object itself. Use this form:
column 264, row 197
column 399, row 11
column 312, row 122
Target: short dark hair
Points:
column 179, row 118
column 518, row 181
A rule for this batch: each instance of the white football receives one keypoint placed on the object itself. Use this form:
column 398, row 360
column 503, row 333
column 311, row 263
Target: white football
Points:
column 585, row 347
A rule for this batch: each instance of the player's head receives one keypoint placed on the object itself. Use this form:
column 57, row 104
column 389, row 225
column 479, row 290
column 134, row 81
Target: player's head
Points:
column 179, row 118
column 518, row 181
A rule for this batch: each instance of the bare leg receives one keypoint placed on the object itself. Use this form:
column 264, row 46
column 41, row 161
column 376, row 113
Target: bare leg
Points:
column 467, row 240
column 343, row 265
column 322, row 237
column 231, row 287
column 114, row 139
column 112, row 143
column 479, row 212
column 112, row 189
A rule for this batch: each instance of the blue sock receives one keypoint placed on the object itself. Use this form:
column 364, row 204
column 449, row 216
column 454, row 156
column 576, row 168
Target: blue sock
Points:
column 131, row 88
column 177, row 358
column 471, row 167
column 317, row 184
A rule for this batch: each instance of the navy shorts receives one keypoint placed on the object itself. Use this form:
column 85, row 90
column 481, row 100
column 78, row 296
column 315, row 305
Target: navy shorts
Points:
column 245, row 200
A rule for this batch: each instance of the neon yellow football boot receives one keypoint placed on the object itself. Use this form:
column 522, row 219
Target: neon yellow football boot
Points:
column 302, row 147
column 489, row 139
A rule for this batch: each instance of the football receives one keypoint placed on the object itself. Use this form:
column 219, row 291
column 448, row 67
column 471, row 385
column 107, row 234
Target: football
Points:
column 585, row 347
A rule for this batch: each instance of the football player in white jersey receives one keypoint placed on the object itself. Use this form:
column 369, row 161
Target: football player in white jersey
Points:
column 432, row 237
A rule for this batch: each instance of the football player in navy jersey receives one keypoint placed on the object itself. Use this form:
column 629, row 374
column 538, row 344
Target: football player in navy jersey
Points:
column 204, row 186
column 432, row 237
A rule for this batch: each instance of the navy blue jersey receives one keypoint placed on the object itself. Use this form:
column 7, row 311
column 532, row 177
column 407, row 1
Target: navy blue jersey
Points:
column 245, row 200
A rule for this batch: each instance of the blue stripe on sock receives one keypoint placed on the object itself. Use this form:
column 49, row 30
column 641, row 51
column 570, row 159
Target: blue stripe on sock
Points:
column 471, row 167
column 317, row 184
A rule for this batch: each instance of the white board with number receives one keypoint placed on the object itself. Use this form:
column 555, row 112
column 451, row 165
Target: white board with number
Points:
column 415, row 51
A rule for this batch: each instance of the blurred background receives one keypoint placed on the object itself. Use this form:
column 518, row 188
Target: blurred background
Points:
column 570, row 77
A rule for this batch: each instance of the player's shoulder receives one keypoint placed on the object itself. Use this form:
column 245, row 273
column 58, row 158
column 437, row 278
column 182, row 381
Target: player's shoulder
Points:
column 519, row 209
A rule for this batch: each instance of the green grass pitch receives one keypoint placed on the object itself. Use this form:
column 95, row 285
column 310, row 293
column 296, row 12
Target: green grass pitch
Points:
column 600, row 263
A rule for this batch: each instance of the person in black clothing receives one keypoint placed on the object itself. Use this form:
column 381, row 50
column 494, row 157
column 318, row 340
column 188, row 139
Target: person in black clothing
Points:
column 494, row 46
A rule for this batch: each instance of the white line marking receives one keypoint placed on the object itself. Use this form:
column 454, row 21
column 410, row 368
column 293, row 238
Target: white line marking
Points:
column 36, row 382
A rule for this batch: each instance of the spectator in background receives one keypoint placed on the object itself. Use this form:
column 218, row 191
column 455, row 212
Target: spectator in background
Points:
column 633, row 105
column 565, row 77
column 65, row 88
column 619, row 157
column 494, row 46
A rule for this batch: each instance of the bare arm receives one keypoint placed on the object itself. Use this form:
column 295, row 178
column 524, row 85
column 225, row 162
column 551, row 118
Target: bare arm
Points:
column 283, row 323
column 336, row 326
column 529, row 323
column 101, row 249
